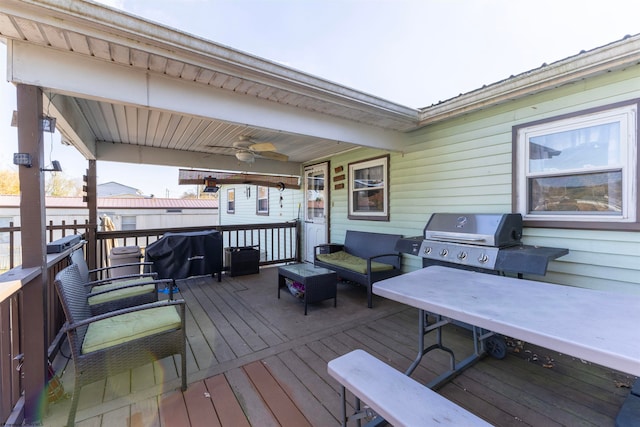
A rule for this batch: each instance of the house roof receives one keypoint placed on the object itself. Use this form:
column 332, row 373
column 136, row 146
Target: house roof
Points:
column 179, row 100
column 117, row 203
column 110, row 189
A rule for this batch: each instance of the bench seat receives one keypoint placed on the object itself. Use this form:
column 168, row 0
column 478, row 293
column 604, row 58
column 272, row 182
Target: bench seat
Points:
column 396, row 397
column 363, row 258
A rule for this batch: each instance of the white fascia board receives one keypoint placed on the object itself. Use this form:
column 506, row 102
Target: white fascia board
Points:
column 90, row 78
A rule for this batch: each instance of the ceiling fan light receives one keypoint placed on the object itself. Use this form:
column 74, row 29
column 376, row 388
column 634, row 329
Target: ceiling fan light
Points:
column 245, row 156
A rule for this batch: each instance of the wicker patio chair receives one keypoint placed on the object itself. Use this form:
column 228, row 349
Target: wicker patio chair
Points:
column 114, row 342
column 114, row 293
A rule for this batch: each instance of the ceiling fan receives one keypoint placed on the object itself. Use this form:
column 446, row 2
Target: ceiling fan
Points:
column 247, row 150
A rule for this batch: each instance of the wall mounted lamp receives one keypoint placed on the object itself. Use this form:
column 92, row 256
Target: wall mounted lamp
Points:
column 55, row 167
column 210, row 185
column 22, row 159
column 47, row 123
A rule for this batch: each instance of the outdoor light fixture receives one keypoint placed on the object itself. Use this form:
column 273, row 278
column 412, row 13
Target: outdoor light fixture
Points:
column 55, row 167
column 49, row 124
column 22, row 159
column 210, row 185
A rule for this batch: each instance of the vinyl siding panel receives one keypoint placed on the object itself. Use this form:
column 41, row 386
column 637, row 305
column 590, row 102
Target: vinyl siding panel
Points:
column 464, row 165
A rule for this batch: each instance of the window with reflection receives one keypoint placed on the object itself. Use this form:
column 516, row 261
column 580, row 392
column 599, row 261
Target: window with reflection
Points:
column 369, row 189
column 231, row 200
column 581, row 168
column 262, row 203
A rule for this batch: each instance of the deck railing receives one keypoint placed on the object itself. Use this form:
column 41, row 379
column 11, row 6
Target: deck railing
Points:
column 277, row 243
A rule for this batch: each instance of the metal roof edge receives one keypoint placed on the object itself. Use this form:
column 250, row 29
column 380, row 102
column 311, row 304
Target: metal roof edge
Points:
column 613, row 56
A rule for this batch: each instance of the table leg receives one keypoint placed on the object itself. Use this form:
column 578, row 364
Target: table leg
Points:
column 423, row 329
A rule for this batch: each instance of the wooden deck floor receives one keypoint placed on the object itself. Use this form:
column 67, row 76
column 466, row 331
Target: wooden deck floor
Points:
column 256, row 360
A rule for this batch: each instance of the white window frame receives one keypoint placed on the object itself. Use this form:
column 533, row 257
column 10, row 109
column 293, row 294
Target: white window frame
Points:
column 383, row 188
column 627, row 117
column 127, row 221
column 231, row 200
column 262, row 194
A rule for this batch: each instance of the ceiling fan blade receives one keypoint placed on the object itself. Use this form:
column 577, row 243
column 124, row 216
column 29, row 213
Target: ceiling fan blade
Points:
column 273, row 156
column 262, row 146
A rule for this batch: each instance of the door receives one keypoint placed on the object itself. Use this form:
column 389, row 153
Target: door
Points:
column 316, row 224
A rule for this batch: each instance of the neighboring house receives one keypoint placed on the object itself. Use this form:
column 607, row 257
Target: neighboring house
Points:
column 114, row 189
column 125, row 213
column 254, row 204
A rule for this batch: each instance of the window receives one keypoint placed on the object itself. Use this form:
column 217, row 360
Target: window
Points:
column 578, row 171
column 369, row 189
column 231, row 200
column 128, row 222
column 262, row 203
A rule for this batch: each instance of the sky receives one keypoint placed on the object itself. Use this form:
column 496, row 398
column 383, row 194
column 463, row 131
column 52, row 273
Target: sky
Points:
column 412, row 52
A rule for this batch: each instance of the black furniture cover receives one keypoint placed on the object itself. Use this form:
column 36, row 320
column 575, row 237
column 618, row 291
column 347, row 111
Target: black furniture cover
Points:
column 182, row 255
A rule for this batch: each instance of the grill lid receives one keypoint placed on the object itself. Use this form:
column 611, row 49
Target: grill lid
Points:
column 497, row 230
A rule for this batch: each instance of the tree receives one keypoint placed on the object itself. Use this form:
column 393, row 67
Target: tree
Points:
column 59, row 185
column 9, row 182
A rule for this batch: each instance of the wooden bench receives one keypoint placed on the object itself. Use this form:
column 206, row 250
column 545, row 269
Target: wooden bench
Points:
column 396, row 397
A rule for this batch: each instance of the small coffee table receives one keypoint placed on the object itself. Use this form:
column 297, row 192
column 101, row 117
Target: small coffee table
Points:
column 319, row 283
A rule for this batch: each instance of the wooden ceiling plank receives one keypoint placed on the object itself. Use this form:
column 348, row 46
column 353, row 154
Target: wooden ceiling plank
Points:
column 9, row 28
column 157, row 63
column 139, row 59
column 78, row 43
column 174, row 68
column 100, row 49
column 55, row 36
column 120, row 54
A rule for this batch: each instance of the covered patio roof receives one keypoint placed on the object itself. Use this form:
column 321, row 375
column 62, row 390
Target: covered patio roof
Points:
column 126, row 89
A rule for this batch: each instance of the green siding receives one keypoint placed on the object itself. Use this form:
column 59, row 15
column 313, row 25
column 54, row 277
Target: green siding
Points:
column 464, row 165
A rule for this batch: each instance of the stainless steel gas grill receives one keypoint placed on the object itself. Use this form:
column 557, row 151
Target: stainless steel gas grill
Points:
column 489, row 243
column 486, row 243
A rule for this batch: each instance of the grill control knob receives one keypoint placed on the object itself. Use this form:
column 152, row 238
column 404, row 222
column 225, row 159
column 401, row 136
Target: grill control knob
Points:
column 462, row 256
column 483, row 258
column 427, row 250
column 444, row 252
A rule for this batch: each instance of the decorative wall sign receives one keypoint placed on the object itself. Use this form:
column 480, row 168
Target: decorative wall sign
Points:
column 338, row 169
column 338, row 178
column 339, row 186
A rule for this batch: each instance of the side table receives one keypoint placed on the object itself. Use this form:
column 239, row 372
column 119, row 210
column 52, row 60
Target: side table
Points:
column 319, row 283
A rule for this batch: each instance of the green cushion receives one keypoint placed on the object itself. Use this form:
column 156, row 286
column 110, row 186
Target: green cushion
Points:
column 351, row 262
column 130, row 326
column 120, row 293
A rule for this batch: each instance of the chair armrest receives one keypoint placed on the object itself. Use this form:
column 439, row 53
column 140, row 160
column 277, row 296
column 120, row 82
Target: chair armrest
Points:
column 370, row 259
column 396, row 254
column 102, row 270
column 327, row 248
column 71, row 326
column 151, row 276
column 133, row 285
column 129, row 264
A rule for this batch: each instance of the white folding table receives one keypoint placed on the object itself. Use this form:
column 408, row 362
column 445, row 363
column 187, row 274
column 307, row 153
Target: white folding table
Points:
column 597, row 326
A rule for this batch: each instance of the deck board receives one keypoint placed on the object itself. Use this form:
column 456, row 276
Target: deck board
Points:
column 263, row 363
column 199, row 405
column 276, row 398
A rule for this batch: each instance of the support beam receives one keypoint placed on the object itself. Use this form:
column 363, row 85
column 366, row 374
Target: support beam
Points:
column 92, row 205
column 34, row 253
